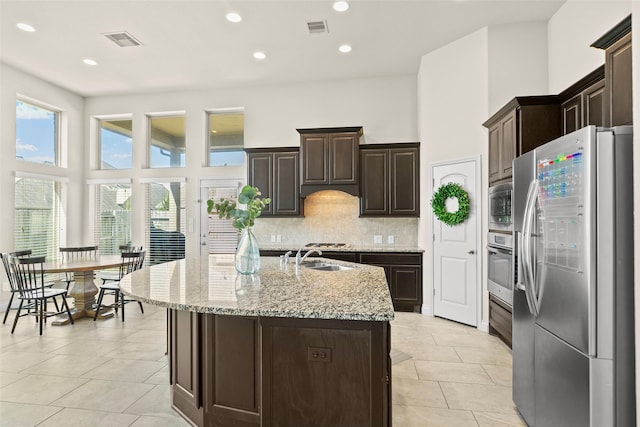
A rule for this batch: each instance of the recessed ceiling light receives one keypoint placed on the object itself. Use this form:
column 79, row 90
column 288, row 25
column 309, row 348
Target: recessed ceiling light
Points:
column 233, row 17
column 259, row 55
column 340, row 6
column 345, row 48
column 90, row 61
column 25, row 27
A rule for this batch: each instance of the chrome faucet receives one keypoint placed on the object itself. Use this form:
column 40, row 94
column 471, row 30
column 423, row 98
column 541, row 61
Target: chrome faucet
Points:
column 300, row 257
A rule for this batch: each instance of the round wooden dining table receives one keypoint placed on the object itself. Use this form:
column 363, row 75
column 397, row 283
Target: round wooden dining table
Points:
column 83, row 289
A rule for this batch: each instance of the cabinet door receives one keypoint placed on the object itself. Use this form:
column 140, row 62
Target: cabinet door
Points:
column 405, row 182
column 572, row 114
column 406, row 286
column 186, row 363
column 494, row 153
column 508, row 144
column 260, row 174
column 374, row 199
column 593, row 100
column 286, row 184
column 618, row 82
column 314, row 149
column 343, row 163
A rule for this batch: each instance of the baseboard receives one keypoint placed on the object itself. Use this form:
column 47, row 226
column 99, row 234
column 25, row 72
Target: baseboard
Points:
column 427, row 310
column 484, row 326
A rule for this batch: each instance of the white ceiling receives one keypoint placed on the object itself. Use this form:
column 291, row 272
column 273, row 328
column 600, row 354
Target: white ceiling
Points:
column 189, row 45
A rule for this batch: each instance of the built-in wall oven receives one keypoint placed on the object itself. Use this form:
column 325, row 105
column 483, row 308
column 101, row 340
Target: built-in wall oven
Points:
column 501, row 266
column 500, row 207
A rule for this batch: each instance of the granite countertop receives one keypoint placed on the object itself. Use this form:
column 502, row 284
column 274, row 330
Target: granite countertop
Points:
column 210, row 284
column 350, row 248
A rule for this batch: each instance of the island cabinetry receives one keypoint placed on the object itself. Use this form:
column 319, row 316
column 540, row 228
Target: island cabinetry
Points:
column 312, row 365
column 329, row 159
column 390, row 180
column 523, row 124
column 404, row 277
column 275, row 172
column 243, row 371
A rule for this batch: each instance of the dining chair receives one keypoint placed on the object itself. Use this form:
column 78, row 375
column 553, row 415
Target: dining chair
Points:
column 28, row 276
column 76, row 253
column 113, row 275
column 131, row 261
column 13, row 289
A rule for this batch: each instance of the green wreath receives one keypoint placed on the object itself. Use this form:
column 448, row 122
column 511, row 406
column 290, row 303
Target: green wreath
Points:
column 438, row 203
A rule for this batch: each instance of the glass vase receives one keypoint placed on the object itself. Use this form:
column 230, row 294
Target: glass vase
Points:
column 248, row 253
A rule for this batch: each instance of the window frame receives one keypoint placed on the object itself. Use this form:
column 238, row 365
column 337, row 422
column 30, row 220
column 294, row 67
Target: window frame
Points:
column 149, row 139
column 208, row 147
column 98, row 137
column 58, row 121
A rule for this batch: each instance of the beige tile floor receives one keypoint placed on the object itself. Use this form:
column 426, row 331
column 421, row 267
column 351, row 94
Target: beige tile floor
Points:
column 109, row 373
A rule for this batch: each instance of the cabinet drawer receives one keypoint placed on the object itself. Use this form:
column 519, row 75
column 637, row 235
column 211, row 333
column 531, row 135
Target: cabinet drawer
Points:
column 376, row 258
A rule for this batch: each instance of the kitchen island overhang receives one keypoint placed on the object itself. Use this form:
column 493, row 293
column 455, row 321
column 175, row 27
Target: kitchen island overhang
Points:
column 288, row 346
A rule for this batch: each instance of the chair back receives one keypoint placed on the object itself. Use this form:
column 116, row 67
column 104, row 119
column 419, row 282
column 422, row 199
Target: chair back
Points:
column 29, row 276
column 131, row 261
column 129, row 248
column 6, row 260
column 80, row 252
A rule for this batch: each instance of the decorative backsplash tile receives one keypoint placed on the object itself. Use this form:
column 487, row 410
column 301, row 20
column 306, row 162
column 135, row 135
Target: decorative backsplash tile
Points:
column 332, row 216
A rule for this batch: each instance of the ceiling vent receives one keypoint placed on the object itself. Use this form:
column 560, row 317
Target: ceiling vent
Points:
column 317, row 27
column 122, row 39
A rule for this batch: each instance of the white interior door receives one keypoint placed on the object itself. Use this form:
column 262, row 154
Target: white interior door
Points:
column 455, row 248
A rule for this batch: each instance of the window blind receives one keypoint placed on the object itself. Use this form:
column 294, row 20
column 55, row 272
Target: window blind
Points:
column 222, row 238
column 112, row 224
column 165, row 221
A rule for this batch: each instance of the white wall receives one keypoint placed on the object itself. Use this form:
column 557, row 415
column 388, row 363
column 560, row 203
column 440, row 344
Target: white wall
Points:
column 460, row 86
column 385, row 107
column 572, row 29
column 517, row 62
column 635, row 26
column 14, row 82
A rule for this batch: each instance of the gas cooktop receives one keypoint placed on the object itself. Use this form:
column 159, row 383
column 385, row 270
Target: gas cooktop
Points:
column 327, row 245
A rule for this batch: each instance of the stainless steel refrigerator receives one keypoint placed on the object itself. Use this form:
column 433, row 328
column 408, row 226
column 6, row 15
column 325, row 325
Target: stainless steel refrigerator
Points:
column 573, row 333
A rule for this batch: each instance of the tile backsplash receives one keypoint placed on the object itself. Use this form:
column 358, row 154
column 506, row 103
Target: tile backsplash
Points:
column 332, row 216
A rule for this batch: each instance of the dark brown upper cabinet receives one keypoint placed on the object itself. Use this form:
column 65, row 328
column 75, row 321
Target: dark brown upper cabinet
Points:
column 524, row 123
column 583, row 103
column 618, row 71
column 275, row 171
column 390, row 180
column 329, row 159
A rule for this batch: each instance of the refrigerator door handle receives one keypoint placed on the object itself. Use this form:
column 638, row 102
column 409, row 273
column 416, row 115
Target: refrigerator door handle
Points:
column 529, row 277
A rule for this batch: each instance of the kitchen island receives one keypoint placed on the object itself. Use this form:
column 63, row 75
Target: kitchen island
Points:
column 286, row 347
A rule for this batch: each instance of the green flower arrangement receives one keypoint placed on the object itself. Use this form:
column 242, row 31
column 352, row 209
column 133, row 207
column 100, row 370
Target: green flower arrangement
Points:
column 242, row 218
column 438, row 203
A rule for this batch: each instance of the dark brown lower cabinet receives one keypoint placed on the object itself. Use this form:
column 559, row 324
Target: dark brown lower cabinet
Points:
column 500, row 317
column 236, row 371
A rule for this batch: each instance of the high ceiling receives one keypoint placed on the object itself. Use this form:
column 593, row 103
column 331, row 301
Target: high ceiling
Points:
column 190, row 45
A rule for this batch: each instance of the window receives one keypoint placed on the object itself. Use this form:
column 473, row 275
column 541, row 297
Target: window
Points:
column 116, row 146
column 167, row 141
column 112, row 217
column 37, row 216
column 226, row 138
column 222, row 238
column 165, row 221
column 37, row 133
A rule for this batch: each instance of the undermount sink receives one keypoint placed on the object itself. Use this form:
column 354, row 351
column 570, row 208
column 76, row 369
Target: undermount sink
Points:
column 321, row 266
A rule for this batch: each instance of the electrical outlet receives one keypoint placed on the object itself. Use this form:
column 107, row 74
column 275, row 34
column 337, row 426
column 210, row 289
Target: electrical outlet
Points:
column 391, row 240
column 273, row 238
column 377, row 238
column 278, row 238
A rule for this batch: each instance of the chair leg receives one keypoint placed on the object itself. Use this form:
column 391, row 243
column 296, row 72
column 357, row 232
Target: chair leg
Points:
column 42, row 305
column 141, row 309
column 116, row 303
column 15, row 321
column 55, row 302
column 99, row 304
column 6, row 313
column 123, row 303
column 65, row 305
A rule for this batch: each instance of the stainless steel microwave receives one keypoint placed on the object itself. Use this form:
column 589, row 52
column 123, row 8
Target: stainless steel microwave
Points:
column 500, row 207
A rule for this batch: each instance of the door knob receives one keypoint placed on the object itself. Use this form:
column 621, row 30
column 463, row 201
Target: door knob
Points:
column 471, row 252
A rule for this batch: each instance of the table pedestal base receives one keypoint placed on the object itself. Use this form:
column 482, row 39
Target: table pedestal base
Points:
column 83, row 292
